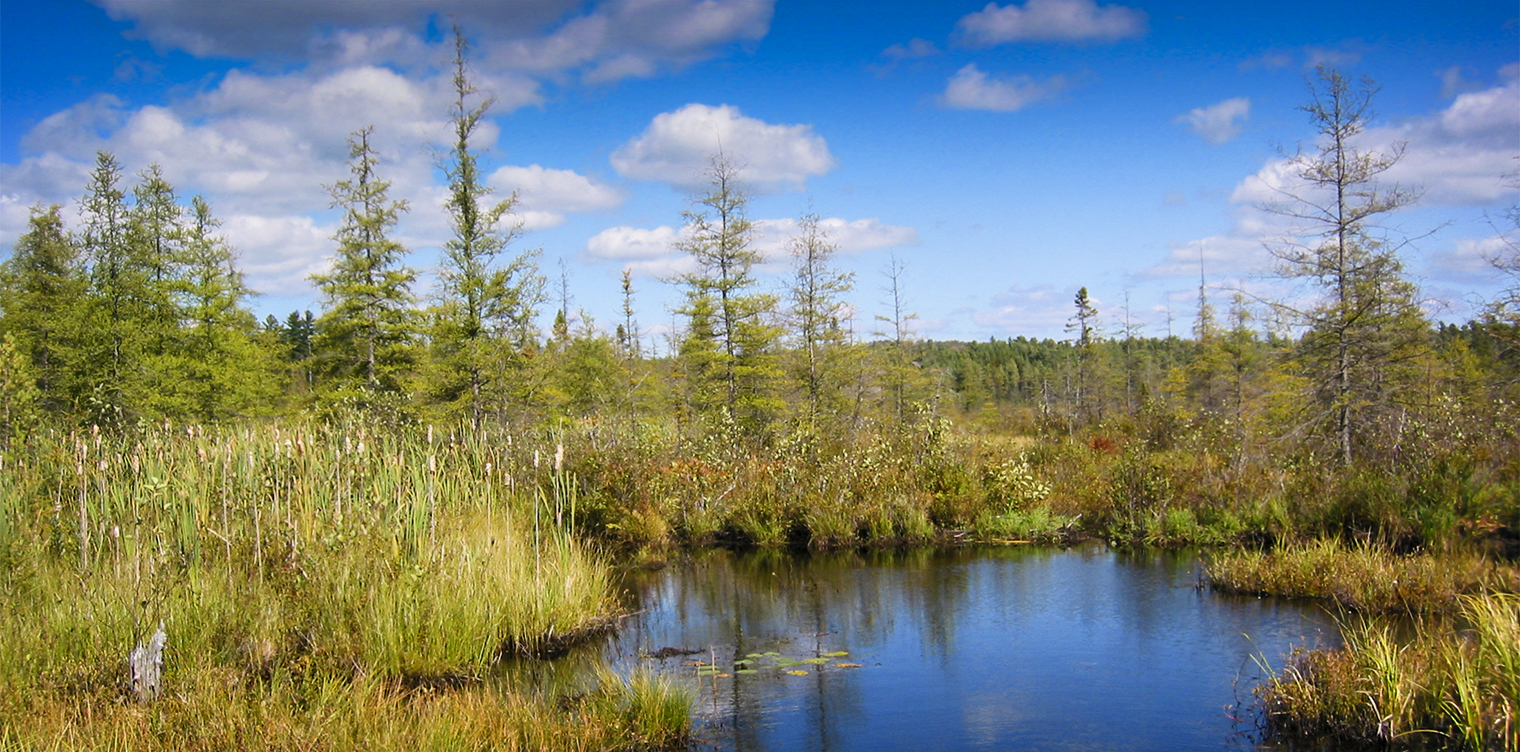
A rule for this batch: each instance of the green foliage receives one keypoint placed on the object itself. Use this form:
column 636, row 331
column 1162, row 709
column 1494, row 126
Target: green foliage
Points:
column 482, row 328
column 728, row 349
column 367, row 334
column 42, row 290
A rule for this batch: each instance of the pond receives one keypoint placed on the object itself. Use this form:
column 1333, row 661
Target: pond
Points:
column 1086, row 648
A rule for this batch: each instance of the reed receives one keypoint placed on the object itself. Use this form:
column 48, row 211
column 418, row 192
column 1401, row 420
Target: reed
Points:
column 312, row 583
column 1448, row 683
column 1361, row 577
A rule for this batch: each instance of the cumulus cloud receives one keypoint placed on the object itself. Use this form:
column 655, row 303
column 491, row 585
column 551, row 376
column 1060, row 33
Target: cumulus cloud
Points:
column 1050, row 21
column 655, row 252
column 1456, row 157
column 545, row 195
column 973, row 89
column 603, row 41
column 1470, row 260
column 1222, row 255
column 1220, row 122
column 774, row 236
column 632, row 243
column 677, row 146
column 279, row 252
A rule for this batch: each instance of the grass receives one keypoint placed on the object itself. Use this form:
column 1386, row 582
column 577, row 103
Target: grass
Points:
column 289, row 712
column 319, row 589
column 1454, row 683
column 1362, row 578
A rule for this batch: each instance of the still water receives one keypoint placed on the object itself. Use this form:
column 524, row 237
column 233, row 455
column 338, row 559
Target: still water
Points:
column 998, row 648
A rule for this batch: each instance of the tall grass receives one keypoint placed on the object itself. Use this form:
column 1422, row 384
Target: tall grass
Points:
column 1361, row 577
column 309, row 578
column 1453, row 683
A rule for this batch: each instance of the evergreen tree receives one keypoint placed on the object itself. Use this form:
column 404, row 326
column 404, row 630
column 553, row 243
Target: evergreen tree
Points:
column 120, row 300
column 366, row 335
column 1368, row 327
column 19, row 398
column 483, row 324
column 816, row 311
column 720, row 240
column 1084, row 325
column 628, row 331
column 227, row 368
column 41, row 296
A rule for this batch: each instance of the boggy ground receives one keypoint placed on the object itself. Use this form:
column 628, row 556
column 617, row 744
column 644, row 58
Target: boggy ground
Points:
column 317, row 593
column 337, row 585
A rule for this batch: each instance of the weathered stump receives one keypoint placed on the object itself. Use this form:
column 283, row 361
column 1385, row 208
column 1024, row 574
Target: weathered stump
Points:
column 147, row 665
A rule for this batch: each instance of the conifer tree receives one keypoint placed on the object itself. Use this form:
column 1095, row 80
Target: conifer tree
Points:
column 156, row 234
column 720, row 239
column 366, row 336
column 483, row 324
column 41, row 297
column 227, row 369
column 1084, row 325
column 897, row 371
column 1367, row 327
column 816, row 311
column 120, row 299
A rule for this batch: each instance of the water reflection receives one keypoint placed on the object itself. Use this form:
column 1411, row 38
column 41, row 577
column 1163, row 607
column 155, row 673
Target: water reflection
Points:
column 1023, row 648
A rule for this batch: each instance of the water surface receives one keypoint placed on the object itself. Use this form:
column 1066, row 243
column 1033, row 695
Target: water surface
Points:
column 967, row 649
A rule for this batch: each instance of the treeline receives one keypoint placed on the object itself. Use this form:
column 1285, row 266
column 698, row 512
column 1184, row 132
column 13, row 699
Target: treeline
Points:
column 139, row 314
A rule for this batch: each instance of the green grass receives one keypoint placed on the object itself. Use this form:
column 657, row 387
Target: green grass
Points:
column 1452, row 684
column 1363, row 578
column 319, row 590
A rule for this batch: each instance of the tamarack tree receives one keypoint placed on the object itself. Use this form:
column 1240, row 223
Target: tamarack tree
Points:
column 1366, row 329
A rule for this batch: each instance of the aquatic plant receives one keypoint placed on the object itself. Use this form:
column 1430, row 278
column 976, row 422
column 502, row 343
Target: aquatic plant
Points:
column 1450, row 682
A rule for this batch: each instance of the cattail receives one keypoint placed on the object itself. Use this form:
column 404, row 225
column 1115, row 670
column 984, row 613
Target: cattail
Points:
column 559, row 457
column 535, row 459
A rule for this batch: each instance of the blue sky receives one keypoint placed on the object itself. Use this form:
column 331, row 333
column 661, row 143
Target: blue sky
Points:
column 1007, row 153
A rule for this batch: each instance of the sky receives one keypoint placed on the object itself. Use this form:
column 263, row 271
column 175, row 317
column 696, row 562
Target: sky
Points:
column 1004, row 154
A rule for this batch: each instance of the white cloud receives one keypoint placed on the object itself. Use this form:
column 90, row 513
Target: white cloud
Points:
column 604, row 41
column 677, row 146
column 1220, row 122
column 653, row 252
column 632, row 243
column 1050, row 21
column 1221, row 256
column 545, row 195
column 915, row 48
column 972, row 89
column 1470, row 260
column 848, row 236
column 1457, row 157
column 279, row 253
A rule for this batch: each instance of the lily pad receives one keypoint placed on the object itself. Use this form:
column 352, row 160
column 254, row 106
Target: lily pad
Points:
column 837, row 654
column 798, row 673
column 847, row 665
column 815, row 661
column 746, row 671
